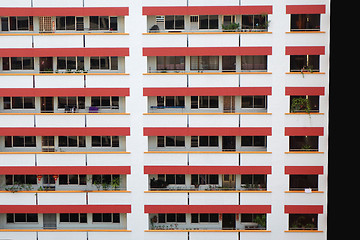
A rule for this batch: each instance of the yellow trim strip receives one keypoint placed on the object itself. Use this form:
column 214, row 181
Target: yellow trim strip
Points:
column 65, row 152
column 303, row 192
column 305, row 73
column 207, row 230
column 306, row 32
column 303, row 231
column 304, row 113
column 250, row 152
column 209, row 191
column 207, row 113
column 205, row 73
column 306, row 152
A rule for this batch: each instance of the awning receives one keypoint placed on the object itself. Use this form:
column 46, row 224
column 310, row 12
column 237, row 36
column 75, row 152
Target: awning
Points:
column 65, row 208
column 64, row 11
column 304, row 170
column 63, row 92
column 304, row 131
column 305, row 9
column 63, row 52
column 303, row 91
column 64, row 131
column 303, row 209
column 305, row 50
column 46, row 170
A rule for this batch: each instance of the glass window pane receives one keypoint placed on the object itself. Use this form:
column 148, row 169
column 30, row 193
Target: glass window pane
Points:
column 179, row 22
column 203, row 22
column 70, row 23
column 71, row 62
column 16, row 63
column 28, row 63
column 104, row 23
column 213, row 22
column 94, row 63
column 60, row 23
column 94, row 23
column 23, row 23
column 180, row 141
column 113, row 24
column 29, row 102
column 96, row 141
column 169, row 22
column 104, row 63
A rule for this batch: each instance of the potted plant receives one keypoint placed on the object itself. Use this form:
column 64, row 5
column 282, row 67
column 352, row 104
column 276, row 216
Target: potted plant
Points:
column 300, row 104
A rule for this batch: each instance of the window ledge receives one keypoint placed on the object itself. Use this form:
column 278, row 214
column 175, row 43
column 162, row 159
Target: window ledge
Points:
column 304, row 231
column 74, row 191
column 209, row 191
column 64, row 33
column 64, row 230
column 61, row 74
column 64, row 113
column 177, row 33
column 65, row 152
column 207, row 230
column 306, row 32
column 305, row 73
column 205, row 73
column 207, row 113
column 304, row 113
column 215, row 152
column 303, row 192
column 304, row 152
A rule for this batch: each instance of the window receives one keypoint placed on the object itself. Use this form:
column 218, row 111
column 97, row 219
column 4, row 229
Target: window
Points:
column 72, row 179
column 103, row 23
column 304, row 63
column 204, row 102
column 174, row 22
column 105, row 179
column 253, row 181
column 304, row 143
column 228, row 63
column 106, row 217
column 251, row 63
column 170, row 63
column 208, row 22
column 105, row 141
column 202, row 179
column 253, row 141
column 172, row 178
column 303, row 221
column 73, row 217
column 171, row 141
column 72, row 141
column 70, row 23
column 17, row 23
column 305, row 22
column 300, row 182
column 20, row 141
column 204, row 141
column 70, row 63
column 18, row 63
column 204, row 218
column 172, row 217
column 171, row 101
column 104, row 63
column 253, row 101
column 71, row 102
column 21, row 217
column 19, row 102
column 20, row 179
column 204, row 63
column 298, row 106
column 254, row 22
column 105, row 102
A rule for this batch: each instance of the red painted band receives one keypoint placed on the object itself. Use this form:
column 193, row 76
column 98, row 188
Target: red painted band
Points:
column 63, row 92
column 58, row 170
column 208, row 10
column 65, row 208
column 208, row 91
column 304, row 131
column 207, row 169
column 304, row 170
column 304, row 209
column 207, row 51
column 207, row 131
column 64, row 11
column 65, row 131
column 303, row 91
column 305, row 9
column 305, row 50
column 63, row 52
column 207, row 208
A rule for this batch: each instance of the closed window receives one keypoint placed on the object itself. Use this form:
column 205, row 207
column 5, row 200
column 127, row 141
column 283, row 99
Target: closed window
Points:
column 204, row 63
column 105, row 141
column 170, row 63
column 254, row 63
column 20, row 179
column 18, row 63
column 72, row 141
column 19, row 102
column 204, row 102
column 106, row 217
column 305, row 22
column 20, row 141
column 253, row 101
column 73, row 217
column 72, row 179
column 17, row 23
column 174, row 22
column 70, row 102
column 172, row 178
column 253, row 141
column 105, row 102
column 208, row 22
column 104, row 63
column 204, row 217
column 309, row 63
column 171, row 141
column 171, row 101
column 21, row 217
column 103, row 23
column 202, row 179
column 172, row 217
column 204, row 141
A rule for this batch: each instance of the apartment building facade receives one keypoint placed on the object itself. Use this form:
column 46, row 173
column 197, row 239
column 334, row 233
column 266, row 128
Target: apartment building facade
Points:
column 183, row 119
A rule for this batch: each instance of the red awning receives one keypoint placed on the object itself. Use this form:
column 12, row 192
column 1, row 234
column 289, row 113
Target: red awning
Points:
column 304, row 209
column 64, row 131
column 305, row 9
column 208, row 91
column 65, row 208
column 64, row 11
column 207, row 131
column 63, row 52
column 208, row 10
column 305, row 50
column 62, row 92
column 304, row 131
column 45, row 170
column 304, row 170
column 303, row 91
column 207, row 169
column 207, row 208
column 206, row 51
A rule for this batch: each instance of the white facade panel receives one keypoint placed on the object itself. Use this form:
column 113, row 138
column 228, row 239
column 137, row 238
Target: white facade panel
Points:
column 166, row 235
column 253, row 159
column 62, row 235
column 110, row 159
column 171, row 159
column 165, row 81
column 165, row 199
column 107, row 120
column 15, row 41
column 213, row 3
column 213, row 120
column 108, row 198
column 60, row 120
column 256, row 80
column 210, row 159
column 164, row 40
column 54, row 41
column 108, row 3
column 61, row 159
column 17, row 121
column 108, row 235
column 17, row 199
column 255, row 198
column 165, row 120
column 256, row 39
column 255, row 120
column 17, row 82
column 309, row 236
column 93, row 41
column 304, row 198
column 18, row 3
column 306, row 120
column 110, row 81
column 203, row 40
column 213, row 235
column 255, row 236
column 58, row 3
column 18, row 235
column 212, row 198
column 17, row 160
column 160, row 3
column 59, row 81
column 55, row 198
column 214, row 80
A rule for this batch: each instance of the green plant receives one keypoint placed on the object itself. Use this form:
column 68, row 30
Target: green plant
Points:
column 231, row 27
column 261, row 220
column 115, row 183
column 300, row 104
